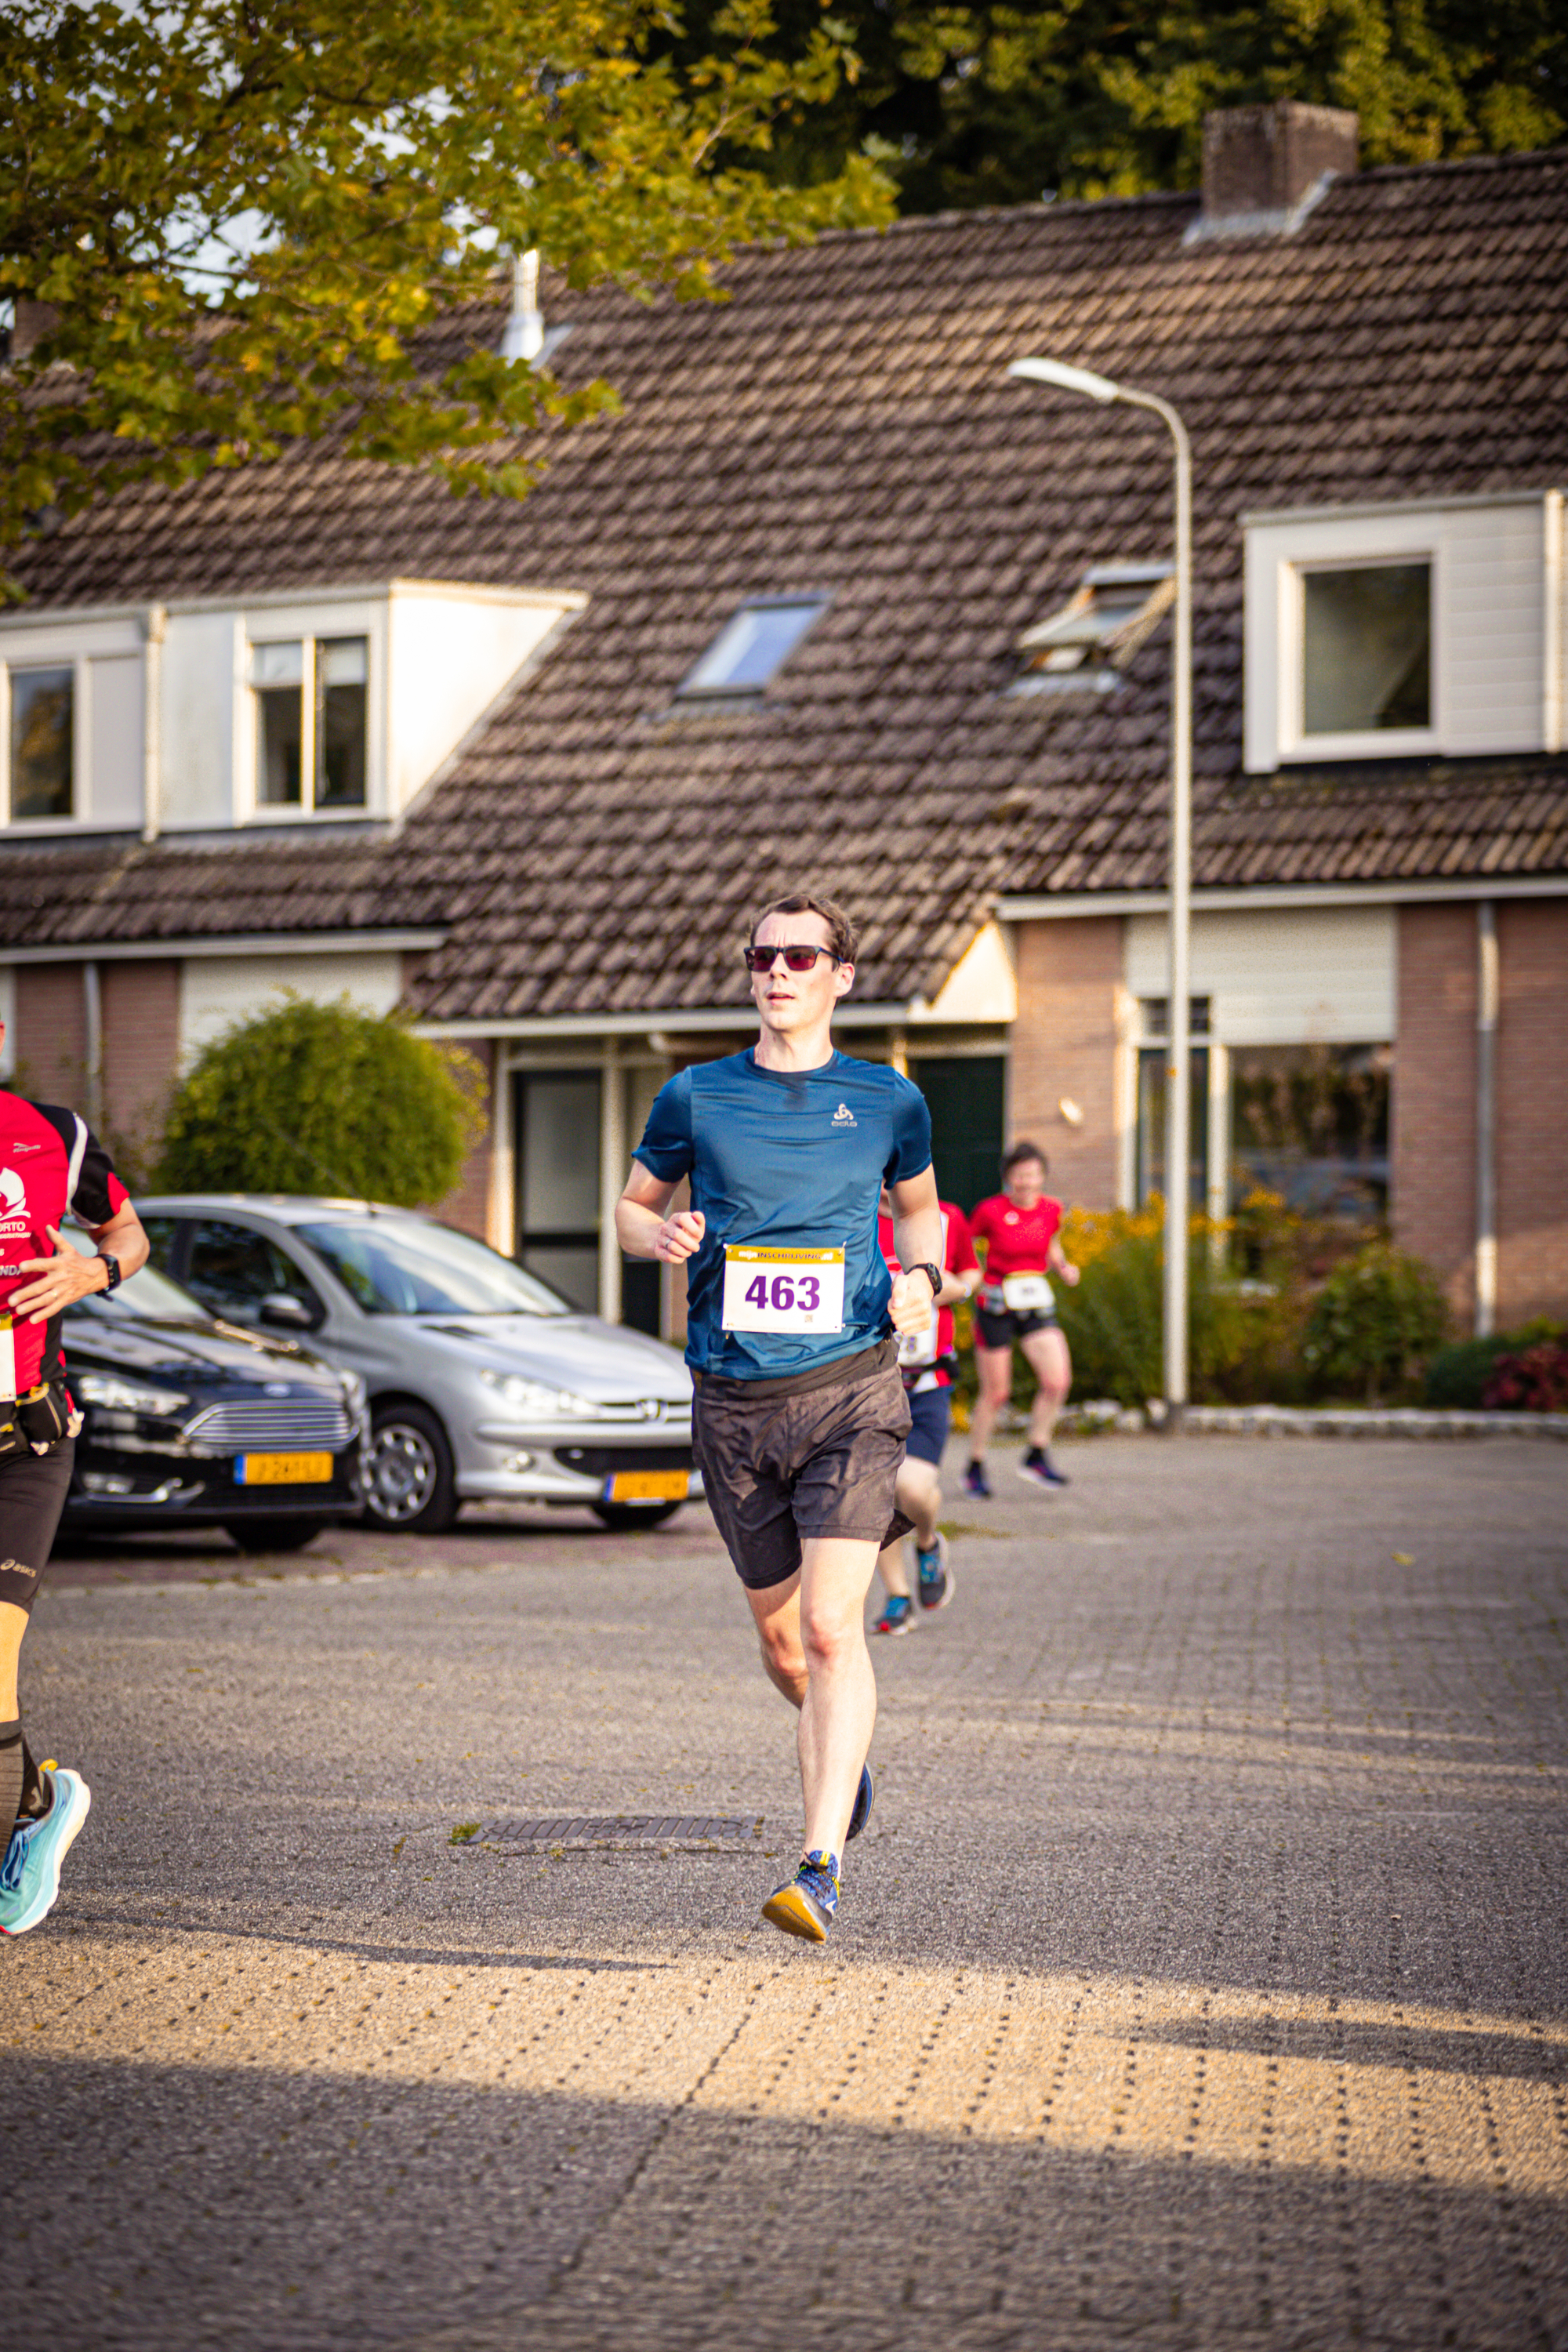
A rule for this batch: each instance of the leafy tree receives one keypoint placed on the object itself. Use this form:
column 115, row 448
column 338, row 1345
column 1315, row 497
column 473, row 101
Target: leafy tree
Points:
column 330, row 184
column 997, row 103
column 323, row 1099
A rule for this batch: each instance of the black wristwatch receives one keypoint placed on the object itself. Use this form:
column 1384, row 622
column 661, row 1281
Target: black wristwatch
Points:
column 113, row 1263
column 934, row 1272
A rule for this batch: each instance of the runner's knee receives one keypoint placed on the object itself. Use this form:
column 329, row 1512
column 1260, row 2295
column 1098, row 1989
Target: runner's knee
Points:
column 830, row 1633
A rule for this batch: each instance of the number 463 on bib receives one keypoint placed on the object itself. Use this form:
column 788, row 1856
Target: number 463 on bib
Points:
column 783, row 1289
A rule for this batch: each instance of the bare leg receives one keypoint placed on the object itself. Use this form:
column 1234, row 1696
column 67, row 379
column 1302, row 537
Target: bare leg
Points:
column 12, row 1625
column 994, row 1366
column 1052, row 1367
column 920, row 1498
column 838, row 1707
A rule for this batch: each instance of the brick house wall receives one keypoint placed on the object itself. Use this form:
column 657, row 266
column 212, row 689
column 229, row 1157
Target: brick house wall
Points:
column 141, row 1005
column 1532, row 1109
column 1064, row 1043
column 50, row 1043
column 1433, row 1111
column 467, row 1205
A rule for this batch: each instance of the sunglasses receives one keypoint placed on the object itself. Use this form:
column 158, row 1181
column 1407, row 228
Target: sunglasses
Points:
column 800, row 959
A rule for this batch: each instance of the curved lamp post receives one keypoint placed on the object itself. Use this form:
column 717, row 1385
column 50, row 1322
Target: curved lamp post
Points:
column 1177, row 1053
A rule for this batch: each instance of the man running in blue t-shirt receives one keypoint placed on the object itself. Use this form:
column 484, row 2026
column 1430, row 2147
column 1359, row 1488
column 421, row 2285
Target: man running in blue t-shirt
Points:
column 800, row 1417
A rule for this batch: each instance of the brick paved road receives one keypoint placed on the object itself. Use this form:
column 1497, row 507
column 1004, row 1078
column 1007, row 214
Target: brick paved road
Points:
column 1200, row 1981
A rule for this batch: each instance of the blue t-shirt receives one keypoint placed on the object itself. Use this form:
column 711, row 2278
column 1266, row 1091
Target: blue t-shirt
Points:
column 786, row 1160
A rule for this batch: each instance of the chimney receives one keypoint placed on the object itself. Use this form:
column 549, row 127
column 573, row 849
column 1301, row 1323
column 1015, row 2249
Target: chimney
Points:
column 1265, row 167
column 523, row 337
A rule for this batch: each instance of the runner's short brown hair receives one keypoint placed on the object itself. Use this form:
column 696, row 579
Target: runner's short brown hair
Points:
column 840, row 930
column 1022, row 1150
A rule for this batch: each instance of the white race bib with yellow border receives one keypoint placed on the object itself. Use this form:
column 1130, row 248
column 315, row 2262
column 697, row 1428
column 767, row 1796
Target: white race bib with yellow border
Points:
column 1026, row 1294
column 782, row 1290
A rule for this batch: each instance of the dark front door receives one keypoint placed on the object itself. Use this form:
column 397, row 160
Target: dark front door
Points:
column 555, row 1123
column 967, row 1094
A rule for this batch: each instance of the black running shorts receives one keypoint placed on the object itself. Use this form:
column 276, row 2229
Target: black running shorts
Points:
column 1001, row 1330
column 33, row 1489
column 779, row 1470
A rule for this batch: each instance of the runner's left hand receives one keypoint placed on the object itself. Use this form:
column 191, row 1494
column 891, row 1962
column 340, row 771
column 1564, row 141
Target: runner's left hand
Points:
column 1070, row 1273
column 911, row 1304
column 66, row 1277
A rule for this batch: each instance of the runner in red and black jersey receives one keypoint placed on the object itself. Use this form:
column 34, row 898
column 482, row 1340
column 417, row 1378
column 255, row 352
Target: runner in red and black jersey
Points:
column 50, row 1168
column 927, row 1361
column 1018, row 1229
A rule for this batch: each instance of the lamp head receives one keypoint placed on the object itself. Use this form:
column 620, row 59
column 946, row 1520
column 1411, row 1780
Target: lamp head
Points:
column 1066, row 379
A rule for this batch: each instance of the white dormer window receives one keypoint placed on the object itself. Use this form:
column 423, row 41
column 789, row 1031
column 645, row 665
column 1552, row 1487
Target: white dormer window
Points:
column 1086, row 646
column 311, row 696
column 1406, row 630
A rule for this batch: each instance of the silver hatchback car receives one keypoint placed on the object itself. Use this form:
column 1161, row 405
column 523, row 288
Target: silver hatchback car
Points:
column 485, row 1384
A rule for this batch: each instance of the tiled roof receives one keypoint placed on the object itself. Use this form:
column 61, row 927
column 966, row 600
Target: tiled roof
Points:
column 844, row 423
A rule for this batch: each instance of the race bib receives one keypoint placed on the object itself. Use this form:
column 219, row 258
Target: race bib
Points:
column 8, row 1359
column 919, row 1347
column 782, row 1290
column 1026, row 1294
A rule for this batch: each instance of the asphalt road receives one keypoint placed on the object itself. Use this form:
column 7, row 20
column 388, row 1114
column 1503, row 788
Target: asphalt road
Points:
column 1200, row 1979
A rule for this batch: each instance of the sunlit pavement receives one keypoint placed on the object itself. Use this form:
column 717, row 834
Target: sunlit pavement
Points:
column 1200, row 1980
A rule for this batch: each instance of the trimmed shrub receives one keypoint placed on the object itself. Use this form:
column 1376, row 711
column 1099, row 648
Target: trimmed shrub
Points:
column 323, row 1099
column 1457, row 1377
column 1535, row 1381
column 1375, row 1323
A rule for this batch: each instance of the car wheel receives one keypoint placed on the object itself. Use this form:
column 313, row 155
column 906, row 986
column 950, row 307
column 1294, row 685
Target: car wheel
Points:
column 411, row 1490
column 628, row 1518
column 275, row 1535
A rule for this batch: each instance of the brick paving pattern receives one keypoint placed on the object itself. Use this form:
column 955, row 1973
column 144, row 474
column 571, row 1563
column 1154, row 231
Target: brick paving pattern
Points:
column 1199, row 1980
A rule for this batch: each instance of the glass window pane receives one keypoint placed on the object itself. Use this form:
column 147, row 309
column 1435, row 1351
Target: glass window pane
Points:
column 1366, row 655
column 279, row 746
column 1150, row 1136
column 559, row 1135
column 343, row 666
column 401, row 1265
column 1310, row 1123
column 279, row 664
column 753, row 645
column 43, row 715
column 233, row 1269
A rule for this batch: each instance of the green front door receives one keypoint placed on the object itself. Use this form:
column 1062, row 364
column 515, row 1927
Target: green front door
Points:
column 967, row 1095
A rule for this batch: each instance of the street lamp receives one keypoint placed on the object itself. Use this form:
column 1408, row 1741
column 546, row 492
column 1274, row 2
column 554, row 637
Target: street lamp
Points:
column 1178, row 1055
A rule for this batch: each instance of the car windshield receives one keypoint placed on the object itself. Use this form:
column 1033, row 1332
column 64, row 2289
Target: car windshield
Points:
column 149, row 1294
column 400, row 1265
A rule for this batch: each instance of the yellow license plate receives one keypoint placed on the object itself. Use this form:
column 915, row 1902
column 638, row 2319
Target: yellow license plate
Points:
column 647, row 1486
column 284, row 1470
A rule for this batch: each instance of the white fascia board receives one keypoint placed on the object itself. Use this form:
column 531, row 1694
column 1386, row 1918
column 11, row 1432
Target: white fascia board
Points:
column 1373, row 510
column 237, row 943
column 1063, row 905
column 333, row 592
column 742, row 1018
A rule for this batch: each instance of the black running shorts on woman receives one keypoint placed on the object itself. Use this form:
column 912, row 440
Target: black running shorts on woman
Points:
column 786, row 1461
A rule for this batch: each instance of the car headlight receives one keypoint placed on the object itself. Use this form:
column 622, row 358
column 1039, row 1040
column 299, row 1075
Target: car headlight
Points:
column 353, row 1392
column 532, row 1398
column 115, row 1393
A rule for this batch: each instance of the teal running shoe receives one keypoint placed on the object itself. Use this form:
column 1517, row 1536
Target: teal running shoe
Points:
column 898, row 1617
column 937, row 1585
column 806, row 1904
column 30, row 1875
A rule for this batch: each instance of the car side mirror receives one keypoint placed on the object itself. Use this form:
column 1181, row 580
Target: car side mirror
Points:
column 288, row 1314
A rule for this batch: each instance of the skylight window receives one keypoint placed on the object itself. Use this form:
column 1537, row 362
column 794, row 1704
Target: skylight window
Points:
column 753, row 646
column 1088, row 644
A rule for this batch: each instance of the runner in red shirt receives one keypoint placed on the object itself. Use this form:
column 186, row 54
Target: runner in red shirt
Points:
column 50, row 1168
column 1018, row 1230
column 927, row 1361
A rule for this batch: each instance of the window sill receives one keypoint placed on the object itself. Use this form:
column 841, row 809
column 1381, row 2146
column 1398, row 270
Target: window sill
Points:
column 1371, row 743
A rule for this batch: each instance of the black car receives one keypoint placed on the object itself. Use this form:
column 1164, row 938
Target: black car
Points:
column 190, row 1422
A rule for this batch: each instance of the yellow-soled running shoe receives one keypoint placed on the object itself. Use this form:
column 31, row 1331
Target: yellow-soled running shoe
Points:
column 806, row 1904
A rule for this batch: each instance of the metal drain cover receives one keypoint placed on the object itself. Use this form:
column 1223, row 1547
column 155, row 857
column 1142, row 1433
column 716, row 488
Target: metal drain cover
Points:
column 655, row 1832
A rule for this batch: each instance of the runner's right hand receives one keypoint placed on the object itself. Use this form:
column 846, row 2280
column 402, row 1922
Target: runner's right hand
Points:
column 681, row 1236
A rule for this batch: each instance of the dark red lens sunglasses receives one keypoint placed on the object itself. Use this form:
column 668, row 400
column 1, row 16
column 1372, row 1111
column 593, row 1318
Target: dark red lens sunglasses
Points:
column 801, row 959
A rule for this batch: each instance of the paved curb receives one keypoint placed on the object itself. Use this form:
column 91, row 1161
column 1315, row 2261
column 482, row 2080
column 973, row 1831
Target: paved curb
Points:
column 1338, row 1421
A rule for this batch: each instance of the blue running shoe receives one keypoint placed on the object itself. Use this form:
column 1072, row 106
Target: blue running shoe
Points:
column 1036, row 1469
column 898, row 1617
column 865, row 1797
column 30, row 1876
column 806, row 1904
column 976, row 1483
column 937, row 1585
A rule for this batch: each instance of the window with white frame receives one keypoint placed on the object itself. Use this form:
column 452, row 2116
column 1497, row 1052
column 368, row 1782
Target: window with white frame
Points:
column 43, row 741
column 1367, row 647
column 310, row 700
